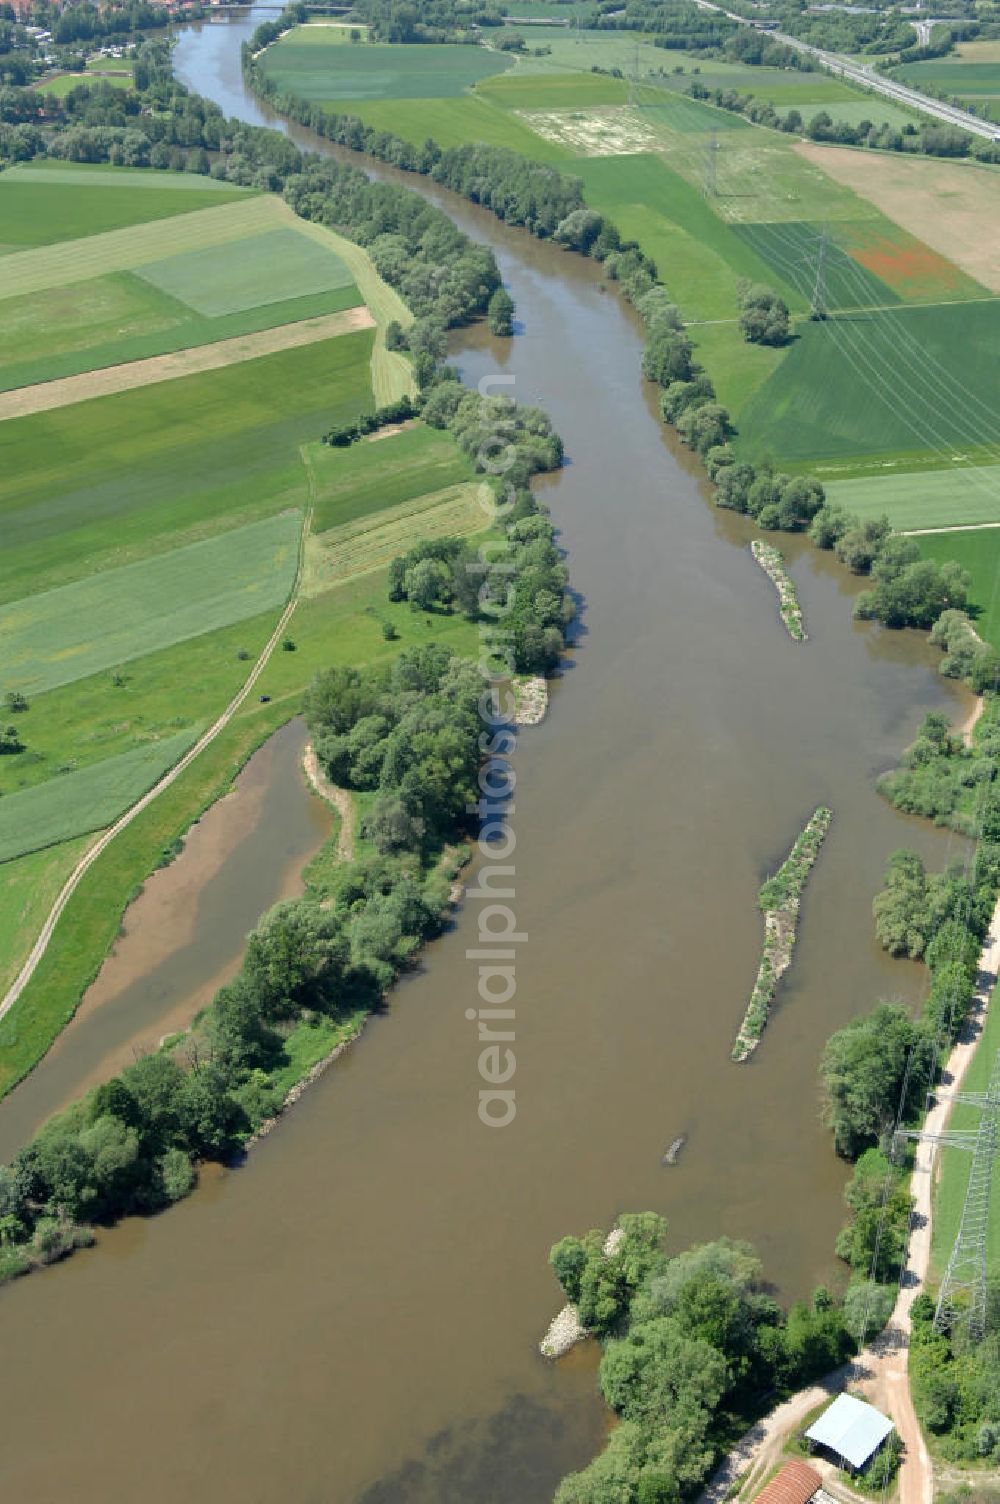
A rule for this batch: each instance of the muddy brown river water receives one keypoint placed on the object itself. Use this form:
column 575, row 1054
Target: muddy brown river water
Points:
column 353, row 1316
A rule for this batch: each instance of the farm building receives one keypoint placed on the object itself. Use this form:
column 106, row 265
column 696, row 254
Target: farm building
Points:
column 795, row 1483
column 850, row 1430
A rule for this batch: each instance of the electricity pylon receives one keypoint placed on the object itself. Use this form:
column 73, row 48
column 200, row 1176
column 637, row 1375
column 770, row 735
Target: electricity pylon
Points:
column 963, row 1290
column 818, row 308
column 711, row 160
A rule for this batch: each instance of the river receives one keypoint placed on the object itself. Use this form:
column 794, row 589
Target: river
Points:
column 353, row 1317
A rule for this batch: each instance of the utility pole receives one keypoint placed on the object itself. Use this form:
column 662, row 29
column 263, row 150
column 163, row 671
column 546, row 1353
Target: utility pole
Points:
column 818, row 309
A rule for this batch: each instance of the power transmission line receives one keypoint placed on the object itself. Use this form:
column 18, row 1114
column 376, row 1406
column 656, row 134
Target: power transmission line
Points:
column 962, row 1297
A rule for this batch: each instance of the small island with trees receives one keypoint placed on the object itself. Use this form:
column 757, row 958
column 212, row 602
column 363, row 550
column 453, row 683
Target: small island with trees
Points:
column 779, row 899
column 772, row 562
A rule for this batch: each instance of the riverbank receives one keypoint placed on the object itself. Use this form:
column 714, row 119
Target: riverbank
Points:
column 880, row 1372
column 339, row 798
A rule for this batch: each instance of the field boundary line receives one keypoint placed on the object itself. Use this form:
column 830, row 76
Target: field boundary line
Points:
column 956, row 527
column 89, row 857
column 44, row 396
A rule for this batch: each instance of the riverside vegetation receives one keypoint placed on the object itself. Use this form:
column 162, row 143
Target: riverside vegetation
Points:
column 907, row 590
column 694, row 1350
column 404, row 737
column 779, row 900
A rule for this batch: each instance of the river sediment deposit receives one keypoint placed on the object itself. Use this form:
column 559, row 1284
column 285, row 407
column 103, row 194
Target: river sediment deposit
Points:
column 353, row 1317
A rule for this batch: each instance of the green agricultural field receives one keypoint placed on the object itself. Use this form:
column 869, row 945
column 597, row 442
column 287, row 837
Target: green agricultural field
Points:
column 583, row 50
column 916, row 381
column 110, row 618
column 453, row 122
column 868, row 107
column 232, row 224
column 384, row 472
column 969, row 80
column 979, row 553
column 113, row 480
column 661, row 110
column 929, row 498
column 792, row 249
column 781, row 86
column 148, row 698
column 698, row 256
column 737, row 368
column 39, row 209
column 301, row 64
column 52, row 170
column 119, row 318
column 268, row 268
column 553, row 91
column 76, row 803
column 955, row 1163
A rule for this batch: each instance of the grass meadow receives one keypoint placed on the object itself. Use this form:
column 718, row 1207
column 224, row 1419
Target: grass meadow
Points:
column 87, row 800
column 268, row 268
column 67, row 82
column 107, row 482
column 107, row 619
column 306, row 63
column 29, row 886
column 979, row 553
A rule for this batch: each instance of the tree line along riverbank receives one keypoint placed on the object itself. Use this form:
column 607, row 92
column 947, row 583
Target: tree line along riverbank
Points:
column 772, row 500
column 404, row 737
column 906, row 589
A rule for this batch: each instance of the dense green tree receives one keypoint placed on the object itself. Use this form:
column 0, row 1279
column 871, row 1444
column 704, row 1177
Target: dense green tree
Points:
column 863, row 1071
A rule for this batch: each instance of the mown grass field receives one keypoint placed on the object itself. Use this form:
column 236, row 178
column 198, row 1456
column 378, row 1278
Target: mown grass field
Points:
column 38, row 208
column 269, row 268
column 106, row 482
column 67, row 82
column 117, row 319
column 909, row 380
column 371, row 542
column 384, row 472
column 956, row 1163
column 927, row 498
column 979, row 553
column 88, row 800
column 306, row 63
column 103, row 621
column 227, row 224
